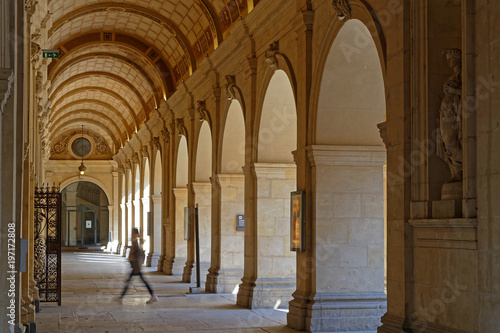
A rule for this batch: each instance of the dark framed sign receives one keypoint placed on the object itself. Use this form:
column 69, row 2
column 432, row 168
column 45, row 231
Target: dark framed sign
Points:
column 297, row 221
column 187, row 225
column 240, row 222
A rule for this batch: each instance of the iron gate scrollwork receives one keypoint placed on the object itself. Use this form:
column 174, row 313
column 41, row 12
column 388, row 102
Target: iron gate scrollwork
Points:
column 48, row 243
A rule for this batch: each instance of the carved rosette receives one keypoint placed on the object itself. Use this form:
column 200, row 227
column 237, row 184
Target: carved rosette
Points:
column 231, row 87
column 202, row 111
column 343, row 9
column 181, row 128
column 271, row 53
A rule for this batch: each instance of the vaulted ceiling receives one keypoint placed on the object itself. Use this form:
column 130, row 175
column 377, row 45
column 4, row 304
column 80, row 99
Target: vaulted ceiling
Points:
column 120, row 59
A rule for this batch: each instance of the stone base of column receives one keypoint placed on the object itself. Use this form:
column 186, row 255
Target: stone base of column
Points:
column 341, row 312
column 118, row 249
column 188, row 271
column 152, row 259
column 297, row 312
column 273, row 292
column 168, row 265
column 391, row 324
column 211, row 286
column 245, row 294
column 229, row 280
column 178, row 266
column 204, row 267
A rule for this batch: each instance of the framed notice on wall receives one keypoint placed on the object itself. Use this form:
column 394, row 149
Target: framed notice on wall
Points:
column 297, row 221
column 187, row 227
column 240, row 222
column 89, row 224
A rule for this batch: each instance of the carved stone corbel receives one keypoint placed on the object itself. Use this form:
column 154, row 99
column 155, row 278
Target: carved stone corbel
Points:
column 181, row 128
column 202, row 111
column 231, row 87
column 343, row 9
column 382, row 127
column 271, row 53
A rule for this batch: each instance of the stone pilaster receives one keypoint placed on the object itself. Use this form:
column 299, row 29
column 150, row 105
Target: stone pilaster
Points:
column 179, row 264
column 275, row 262
column 348, row 224
column 155, row 231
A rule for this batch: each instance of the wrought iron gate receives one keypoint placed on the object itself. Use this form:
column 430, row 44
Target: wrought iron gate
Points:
column 48, row 243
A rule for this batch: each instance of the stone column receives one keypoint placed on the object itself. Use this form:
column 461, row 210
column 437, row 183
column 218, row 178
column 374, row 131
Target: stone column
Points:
column 203, row 197
column 348, row 225
column 231, row 249
column 128, row 226
column 115, row 213
column 181, row 200
column 155, row 231
column 275, row 262
column 144, row 226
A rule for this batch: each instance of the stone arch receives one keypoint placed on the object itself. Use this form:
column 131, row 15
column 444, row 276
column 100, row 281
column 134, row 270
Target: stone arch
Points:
column 347, row 161
column 277, row 121
column 85, row 219
column 202, row 189
column 181, row 201
column 157, row 174
column 90, row 179
column 231, row 181
column 204, row 154
column 233, row 139
column 275, row 173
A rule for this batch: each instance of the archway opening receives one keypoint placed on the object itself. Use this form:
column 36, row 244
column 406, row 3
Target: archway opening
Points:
column 232, row 200
column 85, row 215
column 276, row 179
column 348, row 179
column 202, row 189
column 145, row 202
column 155, row 216
column 181, row 202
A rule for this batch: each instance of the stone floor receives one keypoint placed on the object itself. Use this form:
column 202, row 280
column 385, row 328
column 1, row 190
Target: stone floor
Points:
column 92, row 281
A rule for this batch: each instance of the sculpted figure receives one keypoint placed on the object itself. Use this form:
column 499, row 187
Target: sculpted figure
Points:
column 449, row 134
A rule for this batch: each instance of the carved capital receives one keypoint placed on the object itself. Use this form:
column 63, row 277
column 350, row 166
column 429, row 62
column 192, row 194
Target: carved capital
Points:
column 271, row 53
column 165, row 135
column 181, row 128
column 343, row 9
column 202, row 110
column 145, row 151
column 231, row 87
column 136, row 158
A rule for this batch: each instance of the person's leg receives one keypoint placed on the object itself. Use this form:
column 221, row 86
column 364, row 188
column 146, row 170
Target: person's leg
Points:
column 146, row 283
column 127, row 283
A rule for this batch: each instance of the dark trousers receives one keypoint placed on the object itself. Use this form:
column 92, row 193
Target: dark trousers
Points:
column 142, row 278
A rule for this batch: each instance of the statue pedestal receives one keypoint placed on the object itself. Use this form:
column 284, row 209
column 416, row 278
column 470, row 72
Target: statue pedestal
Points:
column 450, row 205
column 452, row 191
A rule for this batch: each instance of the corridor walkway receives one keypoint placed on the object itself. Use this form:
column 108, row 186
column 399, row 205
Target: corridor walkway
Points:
column 91, row 281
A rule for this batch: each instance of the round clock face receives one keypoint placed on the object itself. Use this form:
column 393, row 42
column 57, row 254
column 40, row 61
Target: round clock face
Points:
column 81, row 147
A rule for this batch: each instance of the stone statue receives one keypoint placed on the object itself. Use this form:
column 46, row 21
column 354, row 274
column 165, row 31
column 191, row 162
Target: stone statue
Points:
column 449, row 134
